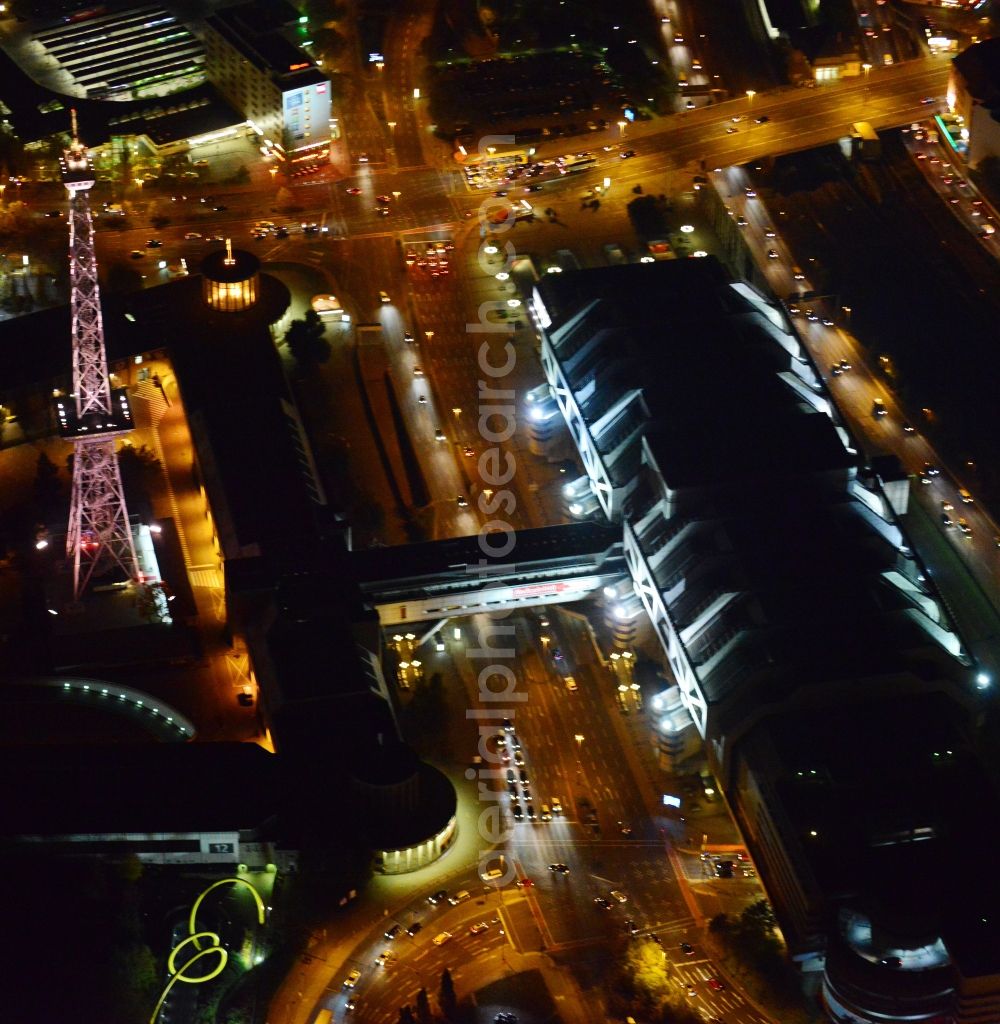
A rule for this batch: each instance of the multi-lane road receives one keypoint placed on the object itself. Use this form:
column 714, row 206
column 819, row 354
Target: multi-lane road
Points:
column 568, row 742
column 950, row 533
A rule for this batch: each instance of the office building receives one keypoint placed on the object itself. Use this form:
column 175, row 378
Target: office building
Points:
column 974, row 95
column 253, row 62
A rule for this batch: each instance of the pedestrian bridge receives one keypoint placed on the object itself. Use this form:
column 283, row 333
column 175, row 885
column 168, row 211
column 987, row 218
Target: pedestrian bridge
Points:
column 459, row 576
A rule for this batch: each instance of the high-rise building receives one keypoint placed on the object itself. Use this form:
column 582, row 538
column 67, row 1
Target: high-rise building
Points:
column 253, row 62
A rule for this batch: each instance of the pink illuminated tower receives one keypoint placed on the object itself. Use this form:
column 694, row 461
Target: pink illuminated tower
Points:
column 99, row 538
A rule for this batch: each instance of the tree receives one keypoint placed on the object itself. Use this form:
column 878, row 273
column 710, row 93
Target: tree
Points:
column 141, row 476
column 647, row 964
column 447, row 997
column 48, row 489
column 424, row 1015
column 306, row 340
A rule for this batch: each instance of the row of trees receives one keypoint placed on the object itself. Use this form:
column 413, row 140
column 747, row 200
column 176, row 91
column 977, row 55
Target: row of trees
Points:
column 449, row 1008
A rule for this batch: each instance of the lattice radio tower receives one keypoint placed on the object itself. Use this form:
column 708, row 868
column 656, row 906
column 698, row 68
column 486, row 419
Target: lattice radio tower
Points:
column 99, row 536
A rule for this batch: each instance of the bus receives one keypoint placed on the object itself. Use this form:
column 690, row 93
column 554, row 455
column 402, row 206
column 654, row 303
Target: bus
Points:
column 323, row 1017
column 574, row 163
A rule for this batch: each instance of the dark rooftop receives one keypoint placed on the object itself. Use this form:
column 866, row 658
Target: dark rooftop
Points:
column 890, row 790
column 216, row 266
column 979, row 65
column 428, row 559
column 707, row 368
column 85, row 790
column 255, row 29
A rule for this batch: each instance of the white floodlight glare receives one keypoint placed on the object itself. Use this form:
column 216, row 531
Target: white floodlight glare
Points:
column 687, row 228
column 983, row 680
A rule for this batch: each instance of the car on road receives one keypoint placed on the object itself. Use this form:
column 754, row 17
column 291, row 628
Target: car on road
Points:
column 460, row 897
column 559, row 869
column 967, row 499
column 153, row 243
column 384, row 200
column 392, row 932
column 500, row 193
column 523, row 777
column 715, row 985
column 617, row 894
column 518, row 812
column 137, row 254
column 219, row 209
column 462, row 501
column 511, row 777
column 687, row 949
column 931, row 470
column 362, row 158
column 383, row 958
column 741, row 221
column 749, row 192
column 414, row 928
column 691, row 991
column 770, row 233
column 468, row 452
column 408, row 338
column 533, row 188
column 627, row 154
column 631, row 927
column 878, row 409
column 492, row 875
column 557, row 807
column 963, row 525
column 763, row 119
column 439, row 897
column 909, row 428
column 353, row 191
column 352, row 979
column 192, row 236
column 772, row 254
column 382, row 211
column 731, row 130
column 384, row 297
column 557, row 654
column 604, row 904
column 519, row 758
column 571, row 684
column 478, row 929
column 505, row 1018
column 508, row 726
column 441, row 938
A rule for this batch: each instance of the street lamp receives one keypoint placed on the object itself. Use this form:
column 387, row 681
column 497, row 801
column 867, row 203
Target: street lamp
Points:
column 622, row 125
column 750, row 95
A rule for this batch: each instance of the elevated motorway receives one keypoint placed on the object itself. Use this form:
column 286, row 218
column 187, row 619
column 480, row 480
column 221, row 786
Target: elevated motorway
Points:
column 458, row 576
